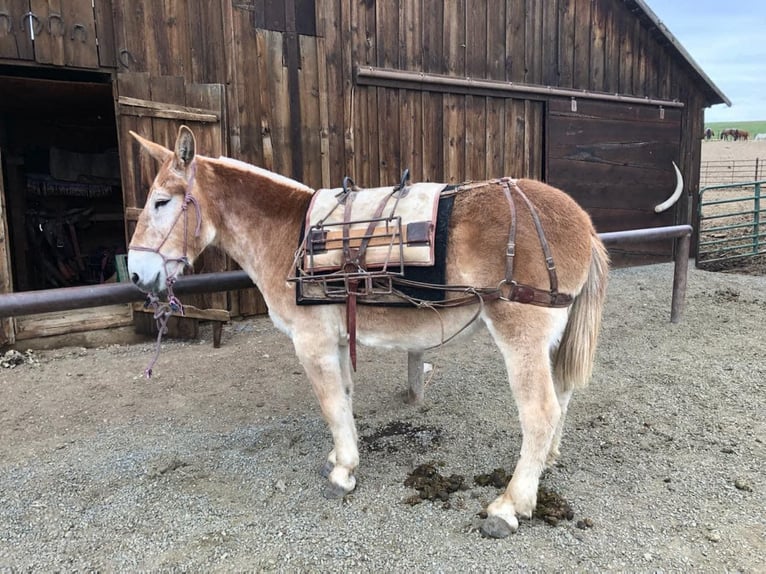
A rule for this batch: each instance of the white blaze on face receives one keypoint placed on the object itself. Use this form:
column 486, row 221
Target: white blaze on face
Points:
column 162, row 216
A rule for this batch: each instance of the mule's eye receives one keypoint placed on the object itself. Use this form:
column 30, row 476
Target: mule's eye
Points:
column 160, row 202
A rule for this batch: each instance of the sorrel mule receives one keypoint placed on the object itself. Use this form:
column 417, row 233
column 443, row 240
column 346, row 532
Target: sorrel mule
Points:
column 255, row 216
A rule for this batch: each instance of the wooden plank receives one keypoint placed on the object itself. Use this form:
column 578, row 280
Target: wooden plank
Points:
column 293, row 65
column 143, row 107
column 495, row 41
column 50, row 41
column 475, row 138
column 514, row 137
column 640, row 69
column 626, row 27
column 454, row 105
column 243, row 101
column 136, row 167
column 206, row 40
column 72, row 321
column 324, row 115
column 366, row 151
column 279, row 122
column 388, row 142
column 191, row 312
column 411, row 114
column 475, row 149
column 582, row 62
column 515, row 44
column 7, row 325
column 476, row 47
column 550, row 43
column 432, row 103
column 136, row 46
column 264, row 100
column 495, row 137
column 15, row 41
column 335, row 84
column 80, row 43
column 107, row 51
column 598, row 45
column 611, row 49
column 534, row 42
column 566, row 27
column 533, row 141
column 308, row 89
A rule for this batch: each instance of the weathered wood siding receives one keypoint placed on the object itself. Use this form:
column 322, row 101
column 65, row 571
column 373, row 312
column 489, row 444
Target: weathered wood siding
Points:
column 294, row 103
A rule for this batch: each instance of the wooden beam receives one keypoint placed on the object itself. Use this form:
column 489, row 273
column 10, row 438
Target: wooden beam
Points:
column 138, row 107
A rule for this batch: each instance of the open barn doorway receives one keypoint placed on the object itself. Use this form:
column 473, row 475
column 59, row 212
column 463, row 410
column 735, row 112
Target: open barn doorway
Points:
column 62, row 197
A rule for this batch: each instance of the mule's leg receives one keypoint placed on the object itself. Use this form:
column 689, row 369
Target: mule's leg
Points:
column 526, row 353
column 563, row 397
column 328, row 369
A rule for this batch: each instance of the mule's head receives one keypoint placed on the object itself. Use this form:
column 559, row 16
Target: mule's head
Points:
column 171, row 231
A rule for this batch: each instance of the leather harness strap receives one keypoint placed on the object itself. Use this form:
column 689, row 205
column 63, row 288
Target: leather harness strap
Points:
column 353, row 263
column 526, row 293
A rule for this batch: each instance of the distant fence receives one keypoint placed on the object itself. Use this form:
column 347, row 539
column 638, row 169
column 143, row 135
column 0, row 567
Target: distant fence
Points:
column 732, row 222
column 723, row 172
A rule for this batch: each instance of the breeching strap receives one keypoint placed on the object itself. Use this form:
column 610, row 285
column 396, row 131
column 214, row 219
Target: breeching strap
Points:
column 525, row 293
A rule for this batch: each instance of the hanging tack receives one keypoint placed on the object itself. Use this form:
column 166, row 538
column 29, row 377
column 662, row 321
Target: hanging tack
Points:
column 662, row 113
column 574, row 104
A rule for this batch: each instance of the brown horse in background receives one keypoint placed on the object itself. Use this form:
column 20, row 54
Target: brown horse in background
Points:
column 256, row 217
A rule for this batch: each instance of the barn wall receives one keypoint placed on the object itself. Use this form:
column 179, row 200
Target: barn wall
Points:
column 295, row 105
column 318, row 124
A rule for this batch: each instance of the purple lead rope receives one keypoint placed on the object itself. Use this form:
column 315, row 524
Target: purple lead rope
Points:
column 163, row 310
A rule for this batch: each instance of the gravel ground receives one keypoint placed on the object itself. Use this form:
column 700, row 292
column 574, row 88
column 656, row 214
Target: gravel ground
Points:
column 213, row 464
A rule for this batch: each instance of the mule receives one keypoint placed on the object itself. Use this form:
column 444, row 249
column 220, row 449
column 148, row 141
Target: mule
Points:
column 256, row 217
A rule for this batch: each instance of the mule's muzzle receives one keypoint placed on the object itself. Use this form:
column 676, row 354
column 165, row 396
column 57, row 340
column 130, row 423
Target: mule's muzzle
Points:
column 152, row 286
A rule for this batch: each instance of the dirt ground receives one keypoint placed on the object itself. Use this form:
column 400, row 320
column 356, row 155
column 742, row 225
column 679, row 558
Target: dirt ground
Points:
column 213, row 464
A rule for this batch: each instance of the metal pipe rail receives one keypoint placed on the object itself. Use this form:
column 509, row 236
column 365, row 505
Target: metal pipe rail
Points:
column 48, row 300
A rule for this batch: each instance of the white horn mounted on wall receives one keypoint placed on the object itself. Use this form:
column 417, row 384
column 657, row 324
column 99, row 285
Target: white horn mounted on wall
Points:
column 676, row 193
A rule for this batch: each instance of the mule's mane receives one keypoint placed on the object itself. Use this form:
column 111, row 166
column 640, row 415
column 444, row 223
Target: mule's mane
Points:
column 261, row 172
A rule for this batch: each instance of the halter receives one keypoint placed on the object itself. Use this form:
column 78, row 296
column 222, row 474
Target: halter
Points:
column 164, row 310
column 184, row 260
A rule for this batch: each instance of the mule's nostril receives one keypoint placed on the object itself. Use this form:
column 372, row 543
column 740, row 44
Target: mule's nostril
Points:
column 134, row 277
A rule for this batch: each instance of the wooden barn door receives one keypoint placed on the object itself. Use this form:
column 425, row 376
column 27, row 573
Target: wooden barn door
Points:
column 616, row 160
column 155, row 107
column 7, row 331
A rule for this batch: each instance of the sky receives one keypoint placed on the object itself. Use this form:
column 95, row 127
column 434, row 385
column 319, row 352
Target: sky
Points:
column 727, row 40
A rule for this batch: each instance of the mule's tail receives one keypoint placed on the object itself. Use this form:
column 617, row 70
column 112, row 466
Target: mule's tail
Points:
column 573, row 359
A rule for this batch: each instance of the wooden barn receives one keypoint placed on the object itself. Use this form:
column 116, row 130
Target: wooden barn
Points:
column 594, row 96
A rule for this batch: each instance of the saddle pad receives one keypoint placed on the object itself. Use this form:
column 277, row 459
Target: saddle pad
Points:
column 401, row 233
column 314, row 294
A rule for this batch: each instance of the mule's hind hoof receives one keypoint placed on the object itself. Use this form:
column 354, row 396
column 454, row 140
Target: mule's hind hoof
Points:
column 496, row 527
column 332, row 491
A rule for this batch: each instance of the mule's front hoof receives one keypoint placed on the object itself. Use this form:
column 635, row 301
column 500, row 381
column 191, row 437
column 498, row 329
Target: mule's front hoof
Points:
column 333, row 491
column 326, row 469
column 496, row 527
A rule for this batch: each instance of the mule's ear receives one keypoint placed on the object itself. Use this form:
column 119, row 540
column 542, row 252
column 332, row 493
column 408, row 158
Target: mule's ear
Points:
column 158, row 152
column 185, row 148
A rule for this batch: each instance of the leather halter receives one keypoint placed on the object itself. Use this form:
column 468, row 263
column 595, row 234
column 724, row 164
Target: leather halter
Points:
column 184, row 260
